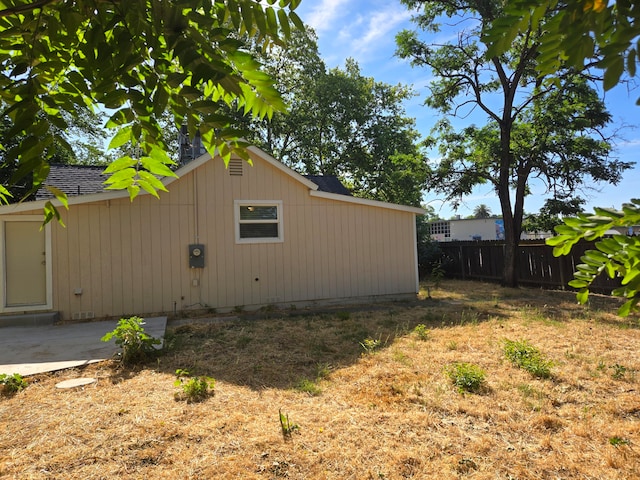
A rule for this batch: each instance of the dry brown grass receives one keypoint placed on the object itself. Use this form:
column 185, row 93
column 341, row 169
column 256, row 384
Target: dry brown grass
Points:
column 392, row 414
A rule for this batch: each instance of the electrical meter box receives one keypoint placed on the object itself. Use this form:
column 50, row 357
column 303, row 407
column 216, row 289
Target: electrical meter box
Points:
column 196, row 255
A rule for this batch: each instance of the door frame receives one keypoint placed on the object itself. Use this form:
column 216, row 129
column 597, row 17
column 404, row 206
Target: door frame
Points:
column 48, row 270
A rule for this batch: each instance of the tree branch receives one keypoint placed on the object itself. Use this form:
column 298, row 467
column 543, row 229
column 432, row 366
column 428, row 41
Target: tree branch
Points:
column 7, row 12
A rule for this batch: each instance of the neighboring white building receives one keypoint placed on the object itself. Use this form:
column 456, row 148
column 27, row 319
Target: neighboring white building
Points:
column 467, row 229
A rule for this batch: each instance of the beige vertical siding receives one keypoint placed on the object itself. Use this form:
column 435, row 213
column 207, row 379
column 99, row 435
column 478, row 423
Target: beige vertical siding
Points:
column 132, row 258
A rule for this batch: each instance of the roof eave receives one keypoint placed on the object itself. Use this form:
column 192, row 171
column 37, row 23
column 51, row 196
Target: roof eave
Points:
column 366, row 201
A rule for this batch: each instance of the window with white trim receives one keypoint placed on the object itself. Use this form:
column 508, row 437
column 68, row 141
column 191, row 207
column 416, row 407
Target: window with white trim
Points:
column 258, row 221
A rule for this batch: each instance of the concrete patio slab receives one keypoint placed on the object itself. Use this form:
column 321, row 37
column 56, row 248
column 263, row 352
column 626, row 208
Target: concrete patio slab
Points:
column 46, row 348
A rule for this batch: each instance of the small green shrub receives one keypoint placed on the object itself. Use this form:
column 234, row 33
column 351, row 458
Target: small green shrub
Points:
column 12, row 383
column 619, row 371
column 286, row 425
column 422, row 332
column 618, row 441
column 466, row 376
column 135, row 343
column 308, row 386
column 193, row 388
column 370, row 345
column 527, row 357
column 323, row 370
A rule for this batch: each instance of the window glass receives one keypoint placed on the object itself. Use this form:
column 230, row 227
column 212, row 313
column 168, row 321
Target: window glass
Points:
column 258, row 212
column 259, row 222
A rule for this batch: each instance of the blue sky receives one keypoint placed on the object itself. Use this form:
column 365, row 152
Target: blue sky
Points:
column 365, row 30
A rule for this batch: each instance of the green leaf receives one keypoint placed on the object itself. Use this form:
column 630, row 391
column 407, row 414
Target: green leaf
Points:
column 59, row 194
column 582, row 296
column 120, row 164
column 628, row 307
column 156, row 167
column 124, row 176
column 51, row 212
column 149, row 179
column 613, row 72
column 133, row 191
column 4, row 194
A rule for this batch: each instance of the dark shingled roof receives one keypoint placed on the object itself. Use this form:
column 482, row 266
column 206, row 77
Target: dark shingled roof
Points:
column 74, row 180
column 77, row 180
column 329, row 184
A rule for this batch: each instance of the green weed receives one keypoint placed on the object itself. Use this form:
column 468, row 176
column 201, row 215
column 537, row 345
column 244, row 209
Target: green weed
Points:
column 323, row 370
column 370, row 345
column 286, row 425
column 619, row 371
column 12, row 383
column 193, row 388
column 135, row 343
column 422, row 332
column 309, row 387
column 466, row 377
column 527, row 357
column 618, row 441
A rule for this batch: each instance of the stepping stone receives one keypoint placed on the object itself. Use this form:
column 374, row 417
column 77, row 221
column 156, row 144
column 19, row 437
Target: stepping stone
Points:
column 75, row 382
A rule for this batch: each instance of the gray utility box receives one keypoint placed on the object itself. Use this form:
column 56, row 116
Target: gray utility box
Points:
column 196, row 255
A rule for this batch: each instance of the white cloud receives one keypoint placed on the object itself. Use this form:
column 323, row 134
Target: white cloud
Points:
column 381, row 27
column 323, row 15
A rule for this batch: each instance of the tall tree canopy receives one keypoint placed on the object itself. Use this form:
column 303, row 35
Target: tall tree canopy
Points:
column 605, row 34
column 340, row 122
column 533, row 129
column 136, row 59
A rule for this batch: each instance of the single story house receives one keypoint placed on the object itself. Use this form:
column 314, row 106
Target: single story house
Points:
column 467, row 229
column 221, row 238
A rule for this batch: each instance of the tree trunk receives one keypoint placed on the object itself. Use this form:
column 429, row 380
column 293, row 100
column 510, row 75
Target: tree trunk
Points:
column 509, row 273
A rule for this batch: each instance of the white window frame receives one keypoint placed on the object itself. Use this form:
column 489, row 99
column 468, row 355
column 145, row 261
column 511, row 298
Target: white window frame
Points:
column 266, row 203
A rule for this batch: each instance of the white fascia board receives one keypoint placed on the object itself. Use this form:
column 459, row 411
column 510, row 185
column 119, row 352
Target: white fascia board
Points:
column 365, row 201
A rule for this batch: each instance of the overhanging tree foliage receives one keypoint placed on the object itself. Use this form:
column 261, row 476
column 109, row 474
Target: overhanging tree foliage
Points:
column 83, row 145
column 578, row 34
column 534, row 129
column 136, row 59
column 615, row 256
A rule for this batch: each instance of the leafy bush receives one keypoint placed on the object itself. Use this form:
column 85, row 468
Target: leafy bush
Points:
column 422, row 331
column 194, row 388
column 136, row 344
column 370, row 345
column 524, row 355
column 466, row 376
column 308, row 386
column 12, row 383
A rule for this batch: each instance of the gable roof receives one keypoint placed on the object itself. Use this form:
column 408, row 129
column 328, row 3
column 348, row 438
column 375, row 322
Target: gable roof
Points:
column 77, row 180
column 74, row 180
column 88, row 180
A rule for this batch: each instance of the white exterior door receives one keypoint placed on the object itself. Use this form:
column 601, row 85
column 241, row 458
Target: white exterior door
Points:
column 25, row 265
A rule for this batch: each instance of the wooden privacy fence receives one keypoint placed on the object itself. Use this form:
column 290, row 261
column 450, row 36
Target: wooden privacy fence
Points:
column 536, row 265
